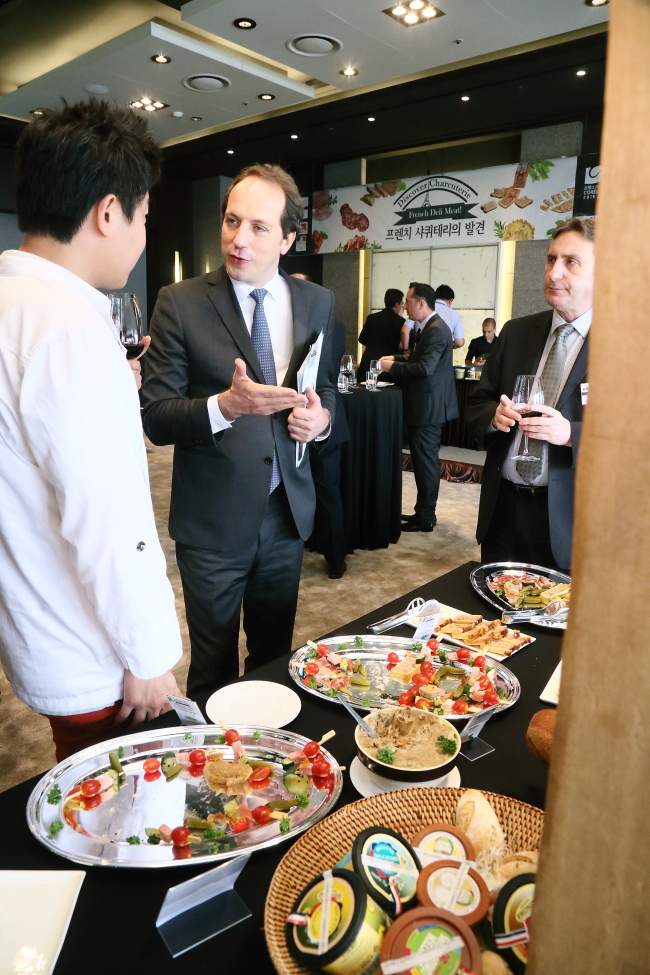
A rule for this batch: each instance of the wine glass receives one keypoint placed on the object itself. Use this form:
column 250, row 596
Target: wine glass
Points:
column 375, row 368
column 347, row 366
column 528, row 392
column 343, row 380
column 127, row 318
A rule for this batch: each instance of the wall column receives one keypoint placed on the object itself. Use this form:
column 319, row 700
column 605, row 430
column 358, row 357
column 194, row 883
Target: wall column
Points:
column 343, row 272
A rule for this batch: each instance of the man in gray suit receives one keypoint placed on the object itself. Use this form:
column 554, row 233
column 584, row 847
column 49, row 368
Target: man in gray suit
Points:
column 429, row 399
column 221, row 386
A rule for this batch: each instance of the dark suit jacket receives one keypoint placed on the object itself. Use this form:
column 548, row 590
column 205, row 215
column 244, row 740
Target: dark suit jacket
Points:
column 517, row 351
column 380, row 335
column 220, row 482
column 427, row 376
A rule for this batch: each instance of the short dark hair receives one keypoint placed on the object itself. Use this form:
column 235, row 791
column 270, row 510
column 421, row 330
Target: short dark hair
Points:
column 71, row 157
column 293, row 206
column 486, row 320
column 393, row 297
column 425, row 292
column 444, row 293
column 585, row 226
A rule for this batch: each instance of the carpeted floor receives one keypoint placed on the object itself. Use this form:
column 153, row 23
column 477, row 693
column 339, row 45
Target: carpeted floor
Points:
column 372, row 579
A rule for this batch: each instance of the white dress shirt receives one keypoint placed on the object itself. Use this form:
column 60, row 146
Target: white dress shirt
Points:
column 574, row 344
column 83, row 587
column 452, row 317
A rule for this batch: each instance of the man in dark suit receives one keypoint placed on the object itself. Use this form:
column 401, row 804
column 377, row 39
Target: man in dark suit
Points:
column 381, row 331
column 526, row 509
column 429, row 399
column 241, row 507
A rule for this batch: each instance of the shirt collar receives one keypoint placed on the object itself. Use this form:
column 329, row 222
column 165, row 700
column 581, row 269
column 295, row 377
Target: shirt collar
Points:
column 243, row 290
column 22, row 263
column 581, row 324
column 428, row 319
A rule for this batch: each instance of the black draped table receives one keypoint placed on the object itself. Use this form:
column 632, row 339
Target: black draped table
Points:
column 113, row 925
column 455, row 433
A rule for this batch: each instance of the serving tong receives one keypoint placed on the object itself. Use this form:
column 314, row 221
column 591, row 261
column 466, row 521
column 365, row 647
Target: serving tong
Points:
column 392, row 621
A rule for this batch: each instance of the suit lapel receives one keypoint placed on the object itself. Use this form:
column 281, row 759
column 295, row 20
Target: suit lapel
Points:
column 222, row 296
column 577, row 374
column 301, row 338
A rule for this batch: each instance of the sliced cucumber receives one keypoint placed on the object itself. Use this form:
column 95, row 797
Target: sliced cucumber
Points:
column 296, row 783
column 288, row 766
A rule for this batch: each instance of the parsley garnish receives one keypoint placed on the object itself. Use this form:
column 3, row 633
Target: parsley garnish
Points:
column 446, row 745
column 285, row 825
column 153, row 839
column 188, row 736
column 386, row 755
column 417, row 646
column 133, row 840
column 303, row 802
column 442, row 655
column 343, row 646
column 501, row 693
column 312, row 655
column 55, row 828
column 257, row 735
column 221, row 740
column 212, row 834
column 358, row 642
column 313, row 684
column 120, row 752
column 365, row 703
column 54, row 795
column 330, row 692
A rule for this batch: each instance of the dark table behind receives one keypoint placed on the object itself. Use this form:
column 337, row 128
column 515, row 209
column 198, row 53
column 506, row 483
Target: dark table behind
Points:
column 113, row 925
column 456, row 433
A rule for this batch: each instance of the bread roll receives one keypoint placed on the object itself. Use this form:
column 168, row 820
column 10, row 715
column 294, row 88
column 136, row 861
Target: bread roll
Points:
column 539, row 736
column 494, row 964
column 477, row 819
column 525, row 861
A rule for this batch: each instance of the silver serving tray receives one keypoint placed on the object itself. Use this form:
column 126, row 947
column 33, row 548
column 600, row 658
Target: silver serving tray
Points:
column 384, row 690
column 140, row 804
column 479, row 578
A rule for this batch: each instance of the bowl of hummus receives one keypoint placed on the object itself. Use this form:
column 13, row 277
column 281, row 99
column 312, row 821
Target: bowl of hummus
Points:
column 413, row 745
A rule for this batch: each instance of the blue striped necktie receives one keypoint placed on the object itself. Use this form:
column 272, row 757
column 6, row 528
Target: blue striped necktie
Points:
column 261, row 338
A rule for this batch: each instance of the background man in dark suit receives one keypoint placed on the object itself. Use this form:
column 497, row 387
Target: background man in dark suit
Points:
column 240, row 507
column 381, row 331
column 429, row 399
column 526, row 509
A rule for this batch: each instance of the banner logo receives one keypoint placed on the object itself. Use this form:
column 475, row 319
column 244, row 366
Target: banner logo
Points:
column 426, row 210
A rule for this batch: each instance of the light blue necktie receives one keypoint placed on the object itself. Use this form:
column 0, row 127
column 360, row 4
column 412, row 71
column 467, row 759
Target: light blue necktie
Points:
column 261, row 338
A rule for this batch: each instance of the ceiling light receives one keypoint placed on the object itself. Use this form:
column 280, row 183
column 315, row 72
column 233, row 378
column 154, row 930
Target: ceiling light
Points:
column 294, row 136
column 158, row 105
column 411, row 18
column 96, row 89
column 148, row 104
column 146, row 101
column 177, row 114
column 149, row 108
column 349, row 72
column 417, row 12
column 245, row 23
column 581, row 73
column 398, row 11
column 429, row 12
column 160, row 58
column 416, row 4
column 136, row 105
column 231, row 152
column 464, row 98
column 371, row 118
column 36, row 111
column 197, row 118
column 266, row 97
column 596, row 3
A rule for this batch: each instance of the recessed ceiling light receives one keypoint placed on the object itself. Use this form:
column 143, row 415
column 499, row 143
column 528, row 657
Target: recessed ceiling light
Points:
column 349, row 72
column 581, row 73
column 231, row 152
column 136, row 105
column 266, row 97
column 596, row 3
column 36, row 111
column 96, row 89
column 417, row 12
column 177, row 114
column 158, row 105
column 146, row 101
column 371, row 118
column 294, row 136
column 464, row 98
column 245, row 23
column 160, row 58
column 147, row 104
column 149, row 108
column 196, row 118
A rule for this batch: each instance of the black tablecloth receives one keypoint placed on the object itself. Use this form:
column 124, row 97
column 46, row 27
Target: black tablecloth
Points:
column 113, row 925
column 455, row 433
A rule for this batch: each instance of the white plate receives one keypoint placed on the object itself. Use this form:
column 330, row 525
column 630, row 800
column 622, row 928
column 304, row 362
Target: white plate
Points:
column 551, row 693
column 254, row 702
column 369, row 784
column 379, row 385
column 451, row 611
column 35, row 911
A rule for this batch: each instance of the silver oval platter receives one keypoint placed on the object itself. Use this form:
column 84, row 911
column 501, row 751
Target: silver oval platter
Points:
column 116, row 831
column 483, row 575
column 383, row 690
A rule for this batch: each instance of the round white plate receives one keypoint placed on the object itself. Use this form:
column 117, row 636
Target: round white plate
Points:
column 254, row 702
column 369, row 784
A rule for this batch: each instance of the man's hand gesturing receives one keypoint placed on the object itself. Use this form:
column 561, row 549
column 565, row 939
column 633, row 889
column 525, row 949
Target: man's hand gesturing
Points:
column 245, row 398
column 304, row 425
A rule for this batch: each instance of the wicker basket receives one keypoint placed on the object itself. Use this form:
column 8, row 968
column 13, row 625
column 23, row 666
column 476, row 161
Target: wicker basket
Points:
column 407, row 811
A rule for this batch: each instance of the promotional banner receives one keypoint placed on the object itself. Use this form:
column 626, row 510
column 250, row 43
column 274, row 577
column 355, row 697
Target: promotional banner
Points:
column 516, row 202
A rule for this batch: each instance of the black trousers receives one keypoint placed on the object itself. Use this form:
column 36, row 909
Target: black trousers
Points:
column 263, row 578
column 519, row 528
column 329, row 525
column 425, row 447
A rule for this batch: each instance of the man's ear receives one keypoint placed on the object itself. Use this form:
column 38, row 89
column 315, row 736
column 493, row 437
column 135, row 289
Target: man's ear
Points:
column 287, row 242
column 104, row 215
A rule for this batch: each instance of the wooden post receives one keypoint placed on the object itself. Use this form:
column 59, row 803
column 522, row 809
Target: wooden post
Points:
column 592, row 906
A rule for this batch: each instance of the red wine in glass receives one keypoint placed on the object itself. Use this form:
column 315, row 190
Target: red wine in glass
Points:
column 126, row 315
column 528, row 392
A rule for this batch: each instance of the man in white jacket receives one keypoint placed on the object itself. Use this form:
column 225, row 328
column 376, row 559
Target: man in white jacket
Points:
column 88, row 629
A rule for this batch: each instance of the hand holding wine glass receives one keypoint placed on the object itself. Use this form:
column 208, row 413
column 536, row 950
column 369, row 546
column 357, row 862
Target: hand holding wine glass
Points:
column 528, row 394
column 127, row 317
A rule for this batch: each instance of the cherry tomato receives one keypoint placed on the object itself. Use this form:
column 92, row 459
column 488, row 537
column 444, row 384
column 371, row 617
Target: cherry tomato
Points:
column 260, row 773
column 196, row 771
column 311, row 668
column 490, row 698
column 422, row 704
column 179, row 835
column 426, row 668
column 91, row 802
column 459, row 707
column 392, row 658
column 479, row 662
column 152, row 776
column 463, row 654
column 151, row 765
column 260, row 784
column 90, row 787
column 182, row 852
column 311, row 749
column 261, row 815
column 231, row 735
column 420, row 679
column 390, row 666
column 322, row 649
column 484, row 682
column 197, row 757
column 405, row 699
column 320, row 769
column 238, row 824
column 433, row 645
column 324, row 783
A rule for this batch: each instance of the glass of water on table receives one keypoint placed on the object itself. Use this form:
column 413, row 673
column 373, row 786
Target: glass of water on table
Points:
column 528, row 394
column 347, row 367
